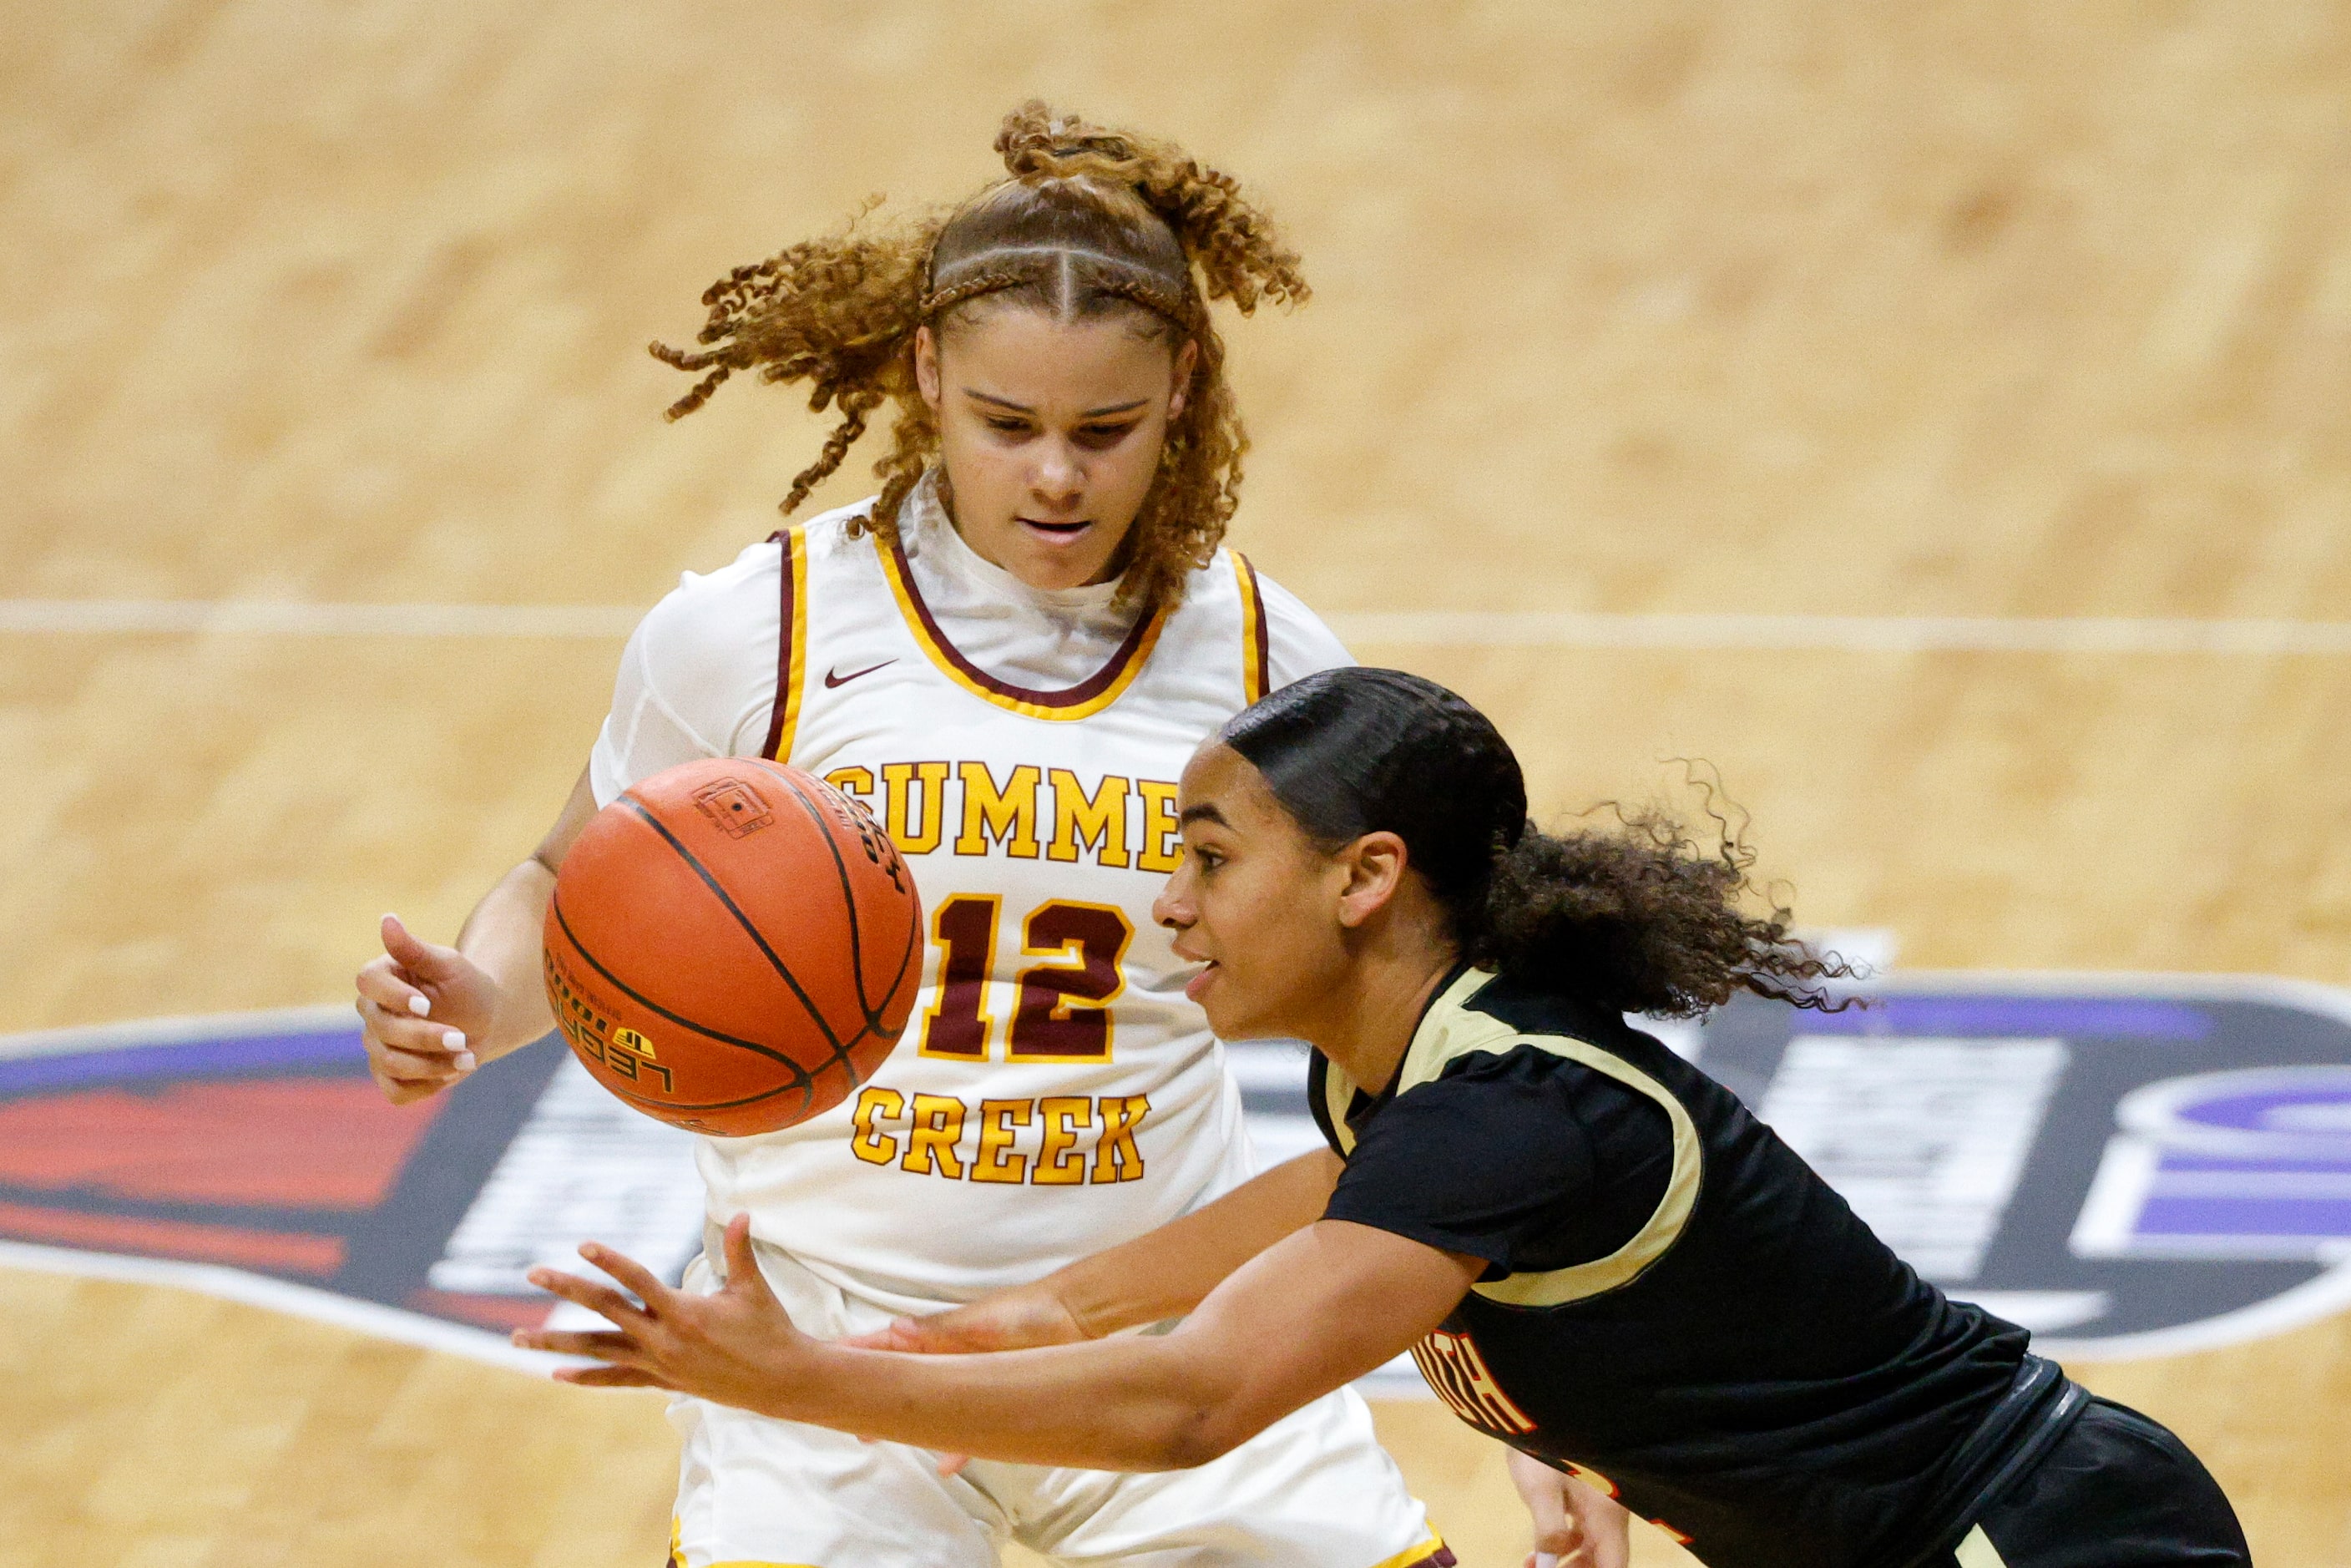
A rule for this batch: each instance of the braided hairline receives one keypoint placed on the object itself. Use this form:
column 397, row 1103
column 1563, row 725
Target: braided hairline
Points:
column 943, row 300
column 1183, row 310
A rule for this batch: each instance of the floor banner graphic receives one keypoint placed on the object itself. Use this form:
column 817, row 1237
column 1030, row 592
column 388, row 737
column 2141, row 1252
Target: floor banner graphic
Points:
column 2126, row 1164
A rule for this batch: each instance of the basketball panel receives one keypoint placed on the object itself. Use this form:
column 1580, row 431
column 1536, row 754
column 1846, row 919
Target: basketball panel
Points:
column 778, row 865
column 652, row 918
column 661, row 1068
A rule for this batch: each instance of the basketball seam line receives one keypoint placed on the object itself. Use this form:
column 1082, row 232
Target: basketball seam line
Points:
column 856, row 940
column 804, row 1082
column 727, row 902
column 848, row 901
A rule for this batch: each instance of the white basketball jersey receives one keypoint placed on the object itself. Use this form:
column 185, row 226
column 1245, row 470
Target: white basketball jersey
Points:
column 1054, row 1091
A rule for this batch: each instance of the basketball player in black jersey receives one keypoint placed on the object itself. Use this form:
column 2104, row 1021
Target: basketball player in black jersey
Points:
column 1593, row 1252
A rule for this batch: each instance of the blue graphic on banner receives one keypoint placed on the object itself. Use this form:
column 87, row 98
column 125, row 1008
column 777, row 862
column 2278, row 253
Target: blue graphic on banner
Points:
column 2250, row 1164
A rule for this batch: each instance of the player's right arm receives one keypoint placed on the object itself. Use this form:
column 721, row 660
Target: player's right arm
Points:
column 430, row 1014
column 697, row 679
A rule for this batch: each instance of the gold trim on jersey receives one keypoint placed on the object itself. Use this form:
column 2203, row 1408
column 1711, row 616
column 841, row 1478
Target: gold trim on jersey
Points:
column 791, row 672
column 1254, row 659
column 1450, row 1033
column 1978, row 1552
column 677, row 1552
column 1415, row 1556
column 1084, row 700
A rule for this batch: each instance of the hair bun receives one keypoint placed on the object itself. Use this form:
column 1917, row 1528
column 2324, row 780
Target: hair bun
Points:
column 1033, row 139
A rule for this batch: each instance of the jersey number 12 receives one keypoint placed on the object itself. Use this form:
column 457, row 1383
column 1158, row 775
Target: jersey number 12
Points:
column 1063, row 1013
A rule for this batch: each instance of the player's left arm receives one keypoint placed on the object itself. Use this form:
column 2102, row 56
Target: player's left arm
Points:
column 1309, row 1315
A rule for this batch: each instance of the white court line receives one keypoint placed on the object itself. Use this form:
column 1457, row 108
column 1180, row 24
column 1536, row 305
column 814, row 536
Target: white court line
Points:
column 294, row 618
column 284, row 1296
column 1435, row 628
column 1845, row 633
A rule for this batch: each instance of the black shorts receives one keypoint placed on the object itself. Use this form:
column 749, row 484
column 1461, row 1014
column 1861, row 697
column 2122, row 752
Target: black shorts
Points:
column 2118, row 1490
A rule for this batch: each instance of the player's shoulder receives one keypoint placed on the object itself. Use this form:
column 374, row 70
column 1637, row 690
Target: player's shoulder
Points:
column 1295, row 639
column 715, row 611
column 713, row 614
column 1482, row 1025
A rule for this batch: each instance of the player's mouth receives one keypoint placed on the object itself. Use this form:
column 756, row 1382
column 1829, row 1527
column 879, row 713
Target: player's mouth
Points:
column 1198, row 983
column 1057, row 533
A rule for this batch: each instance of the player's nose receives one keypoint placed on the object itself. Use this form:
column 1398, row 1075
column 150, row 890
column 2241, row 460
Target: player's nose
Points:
column 1059, row 477
column 1172, row 908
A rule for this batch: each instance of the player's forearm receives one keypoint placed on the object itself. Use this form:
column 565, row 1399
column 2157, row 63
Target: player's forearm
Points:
column 503, row 937
column 1127, row 1404
column 1167, row 1272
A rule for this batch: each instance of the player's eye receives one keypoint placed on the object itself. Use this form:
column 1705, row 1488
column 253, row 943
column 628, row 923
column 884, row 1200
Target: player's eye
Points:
column 1104, row 435
column 1007, row 424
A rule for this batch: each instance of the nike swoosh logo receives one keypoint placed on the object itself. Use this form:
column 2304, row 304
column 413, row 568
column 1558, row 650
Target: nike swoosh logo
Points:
column 833, row 679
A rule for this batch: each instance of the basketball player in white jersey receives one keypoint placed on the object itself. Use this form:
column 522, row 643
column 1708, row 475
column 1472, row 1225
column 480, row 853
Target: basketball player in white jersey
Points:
column 1009, row 655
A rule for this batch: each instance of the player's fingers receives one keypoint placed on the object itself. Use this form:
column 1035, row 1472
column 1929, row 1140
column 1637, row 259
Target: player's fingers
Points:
column 1543, row 1490
column 597, row 1344
column 905, row 1335
column 415, row 1036
column 609, row 1378
column 413, row 1071
column 631, row 1273
column 424, row 960
column 1555, row 1530
column 1602, row 1533
column 393, row 1070
column 601, row 1300
column 742, row 1266
column 382, row 982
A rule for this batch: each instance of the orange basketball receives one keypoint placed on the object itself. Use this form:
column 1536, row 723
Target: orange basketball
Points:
column 732, row 945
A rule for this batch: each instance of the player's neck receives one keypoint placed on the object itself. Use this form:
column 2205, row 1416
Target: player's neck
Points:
column 1372, row 1019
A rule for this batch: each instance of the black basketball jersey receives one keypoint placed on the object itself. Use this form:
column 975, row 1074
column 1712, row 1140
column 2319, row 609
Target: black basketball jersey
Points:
column 1677, row 1309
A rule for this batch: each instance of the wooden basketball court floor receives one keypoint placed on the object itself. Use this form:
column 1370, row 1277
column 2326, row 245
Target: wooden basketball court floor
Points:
column 2035, row 315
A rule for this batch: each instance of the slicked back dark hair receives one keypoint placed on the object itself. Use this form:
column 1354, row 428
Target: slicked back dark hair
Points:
column 1639, row 920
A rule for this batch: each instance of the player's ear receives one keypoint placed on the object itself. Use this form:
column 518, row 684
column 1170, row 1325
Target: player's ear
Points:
column 1374, row 866
column 1187, row 360
column 926, row 366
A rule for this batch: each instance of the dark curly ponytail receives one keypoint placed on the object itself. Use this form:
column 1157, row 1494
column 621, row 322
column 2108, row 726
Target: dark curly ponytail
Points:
column 1640, row 921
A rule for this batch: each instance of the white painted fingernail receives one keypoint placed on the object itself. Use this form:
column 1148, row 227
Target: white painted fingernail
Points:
column 420, row 1004
column 464, row 1061
column 451, row 1040
column 1546, row 1559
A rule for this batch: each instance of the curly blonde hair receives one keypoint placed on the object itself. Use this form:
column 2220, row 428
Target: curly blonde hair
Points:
column 1088, row 224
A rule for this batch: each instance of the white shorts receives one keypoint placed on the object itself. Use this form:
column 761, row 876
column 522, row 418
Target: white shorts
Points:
column 1314, row 1490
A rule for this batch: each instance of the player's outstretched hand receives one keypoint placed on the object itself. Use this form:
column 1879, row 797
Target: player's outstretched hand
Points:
column 422, row 1006
column 736, row 1347
column 1576, row 1525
